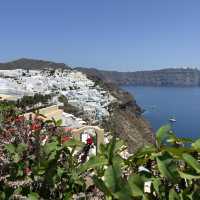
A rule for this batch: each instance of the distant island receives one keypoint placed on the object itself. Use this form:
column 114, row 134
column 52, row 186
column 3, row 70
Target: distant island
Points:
column 171, row 77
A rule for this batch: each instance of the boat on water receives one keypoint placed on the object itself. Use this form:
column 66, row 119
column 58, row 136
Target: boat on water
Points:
column 172, row 119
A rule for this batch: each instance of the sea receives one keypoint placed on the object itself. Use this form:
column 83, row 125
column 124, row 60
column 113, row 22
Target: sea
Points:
column 163, row 103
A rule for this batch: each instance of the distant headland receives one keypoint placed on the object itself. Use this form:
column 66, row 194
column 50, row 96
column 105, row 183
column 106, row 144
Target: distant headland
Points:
column 170, row 77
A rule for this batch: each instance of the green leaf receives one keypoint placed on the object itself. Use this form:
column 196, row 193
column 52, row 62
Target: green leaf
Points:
column 188, row 176
column 156, row 184
column 111, row 149
column 118, row 145
column 146, row 150
column 196, row 145
column 173, row 195
column 136, row 184
column 72, row 143
column 2, row 195
column 162, row 133
column 113, row 178
column 101, row 185
column 21, row 148
column 16, row 157
column 192, row 162
column 52, row 155
column 59, row 122
column 145, row 197
column 174, row 151
column 49, row 147
column 122, row 195
column 10, row 148
column 20, row 172
column 167, row 167
column 60, row 171
column 93, row 162
column 33, row 196
column 173, row 139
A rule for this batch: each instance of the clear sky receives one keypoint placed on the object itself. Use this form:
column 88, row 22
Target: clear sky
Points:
column 125, row 35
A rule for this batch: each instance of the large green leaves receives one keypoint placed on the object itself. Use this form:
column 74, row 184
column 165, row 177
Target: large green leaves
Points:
column 50, row 147
column 162, row 134
column 167, row 167
column 192, row 162
column 173, row 195
column 113, row 178
column 16, row 151
column 196, row 145
column 33, row 196
column 136, row 184
column 92, row 163
column 188, row 176
column 10, row 148
column 73, row 143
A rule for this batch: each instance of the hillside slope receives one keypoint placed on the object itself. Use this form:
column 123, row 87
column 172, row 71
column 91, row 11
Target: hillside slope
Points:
column 33, row 64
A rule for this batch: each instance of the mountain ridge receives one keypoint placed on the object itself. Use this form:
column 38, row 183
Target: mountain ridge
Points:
column 170, row 77
column 28, row 63
column 175, row 77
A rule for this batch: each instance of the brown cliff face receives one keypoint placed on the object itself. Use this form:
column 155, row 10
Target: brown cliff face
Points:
column 127, row 122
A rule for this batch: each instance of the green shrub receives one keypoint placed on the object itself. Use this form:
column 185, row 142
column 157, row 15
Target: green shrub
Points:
column 39, row 161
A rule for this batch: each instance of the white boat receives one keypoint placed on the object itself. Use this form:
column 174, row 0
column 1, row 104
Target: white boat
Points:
column 172, row 119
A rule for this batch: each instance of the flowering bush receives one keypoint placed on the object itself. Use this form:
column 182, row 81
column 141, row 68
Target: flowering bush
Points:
column 40, row 161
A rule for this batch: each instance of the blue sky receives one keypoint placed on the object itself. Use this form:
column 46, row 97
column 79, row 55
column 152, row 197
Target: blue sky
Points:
column 124, row 35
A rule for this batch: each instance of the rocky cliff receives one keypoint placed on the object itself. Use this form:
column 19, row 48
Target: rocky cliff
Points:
column 126, row 120
column 175, row 77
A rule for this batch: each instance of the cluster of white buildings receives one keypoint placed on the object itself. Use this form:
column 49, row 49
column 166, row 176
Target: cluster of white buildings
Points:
column 80, row 91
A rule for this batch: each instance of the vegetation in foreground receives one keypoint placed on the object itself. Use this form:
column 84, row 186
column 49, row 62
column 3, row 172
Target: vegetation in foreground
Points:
column 40, row 161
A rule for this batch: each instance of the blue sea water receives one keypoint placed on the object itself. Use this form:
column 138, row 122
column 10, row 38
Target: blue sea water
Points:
column 163, row 103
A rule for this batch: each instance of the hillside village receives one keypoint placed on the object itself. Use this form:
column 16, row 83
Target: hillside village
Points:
column 79, row 92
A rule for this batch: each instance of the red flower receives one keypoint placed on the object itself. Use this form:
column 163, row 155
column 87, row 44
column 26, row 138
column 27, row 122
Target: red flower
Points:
column 35, row 127
column 89, row 141
column 19, row 118
column 65, row 139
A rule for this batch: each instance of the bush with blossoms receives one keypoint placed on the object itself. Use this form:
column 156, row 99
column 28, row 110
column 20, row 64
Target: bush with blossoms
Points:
column 41, row 161
column 38, row 159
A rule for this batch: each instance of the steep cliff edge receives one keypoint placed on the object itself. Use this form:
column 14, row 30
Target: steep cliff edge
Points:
column 126, row 120
column 175, row 77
